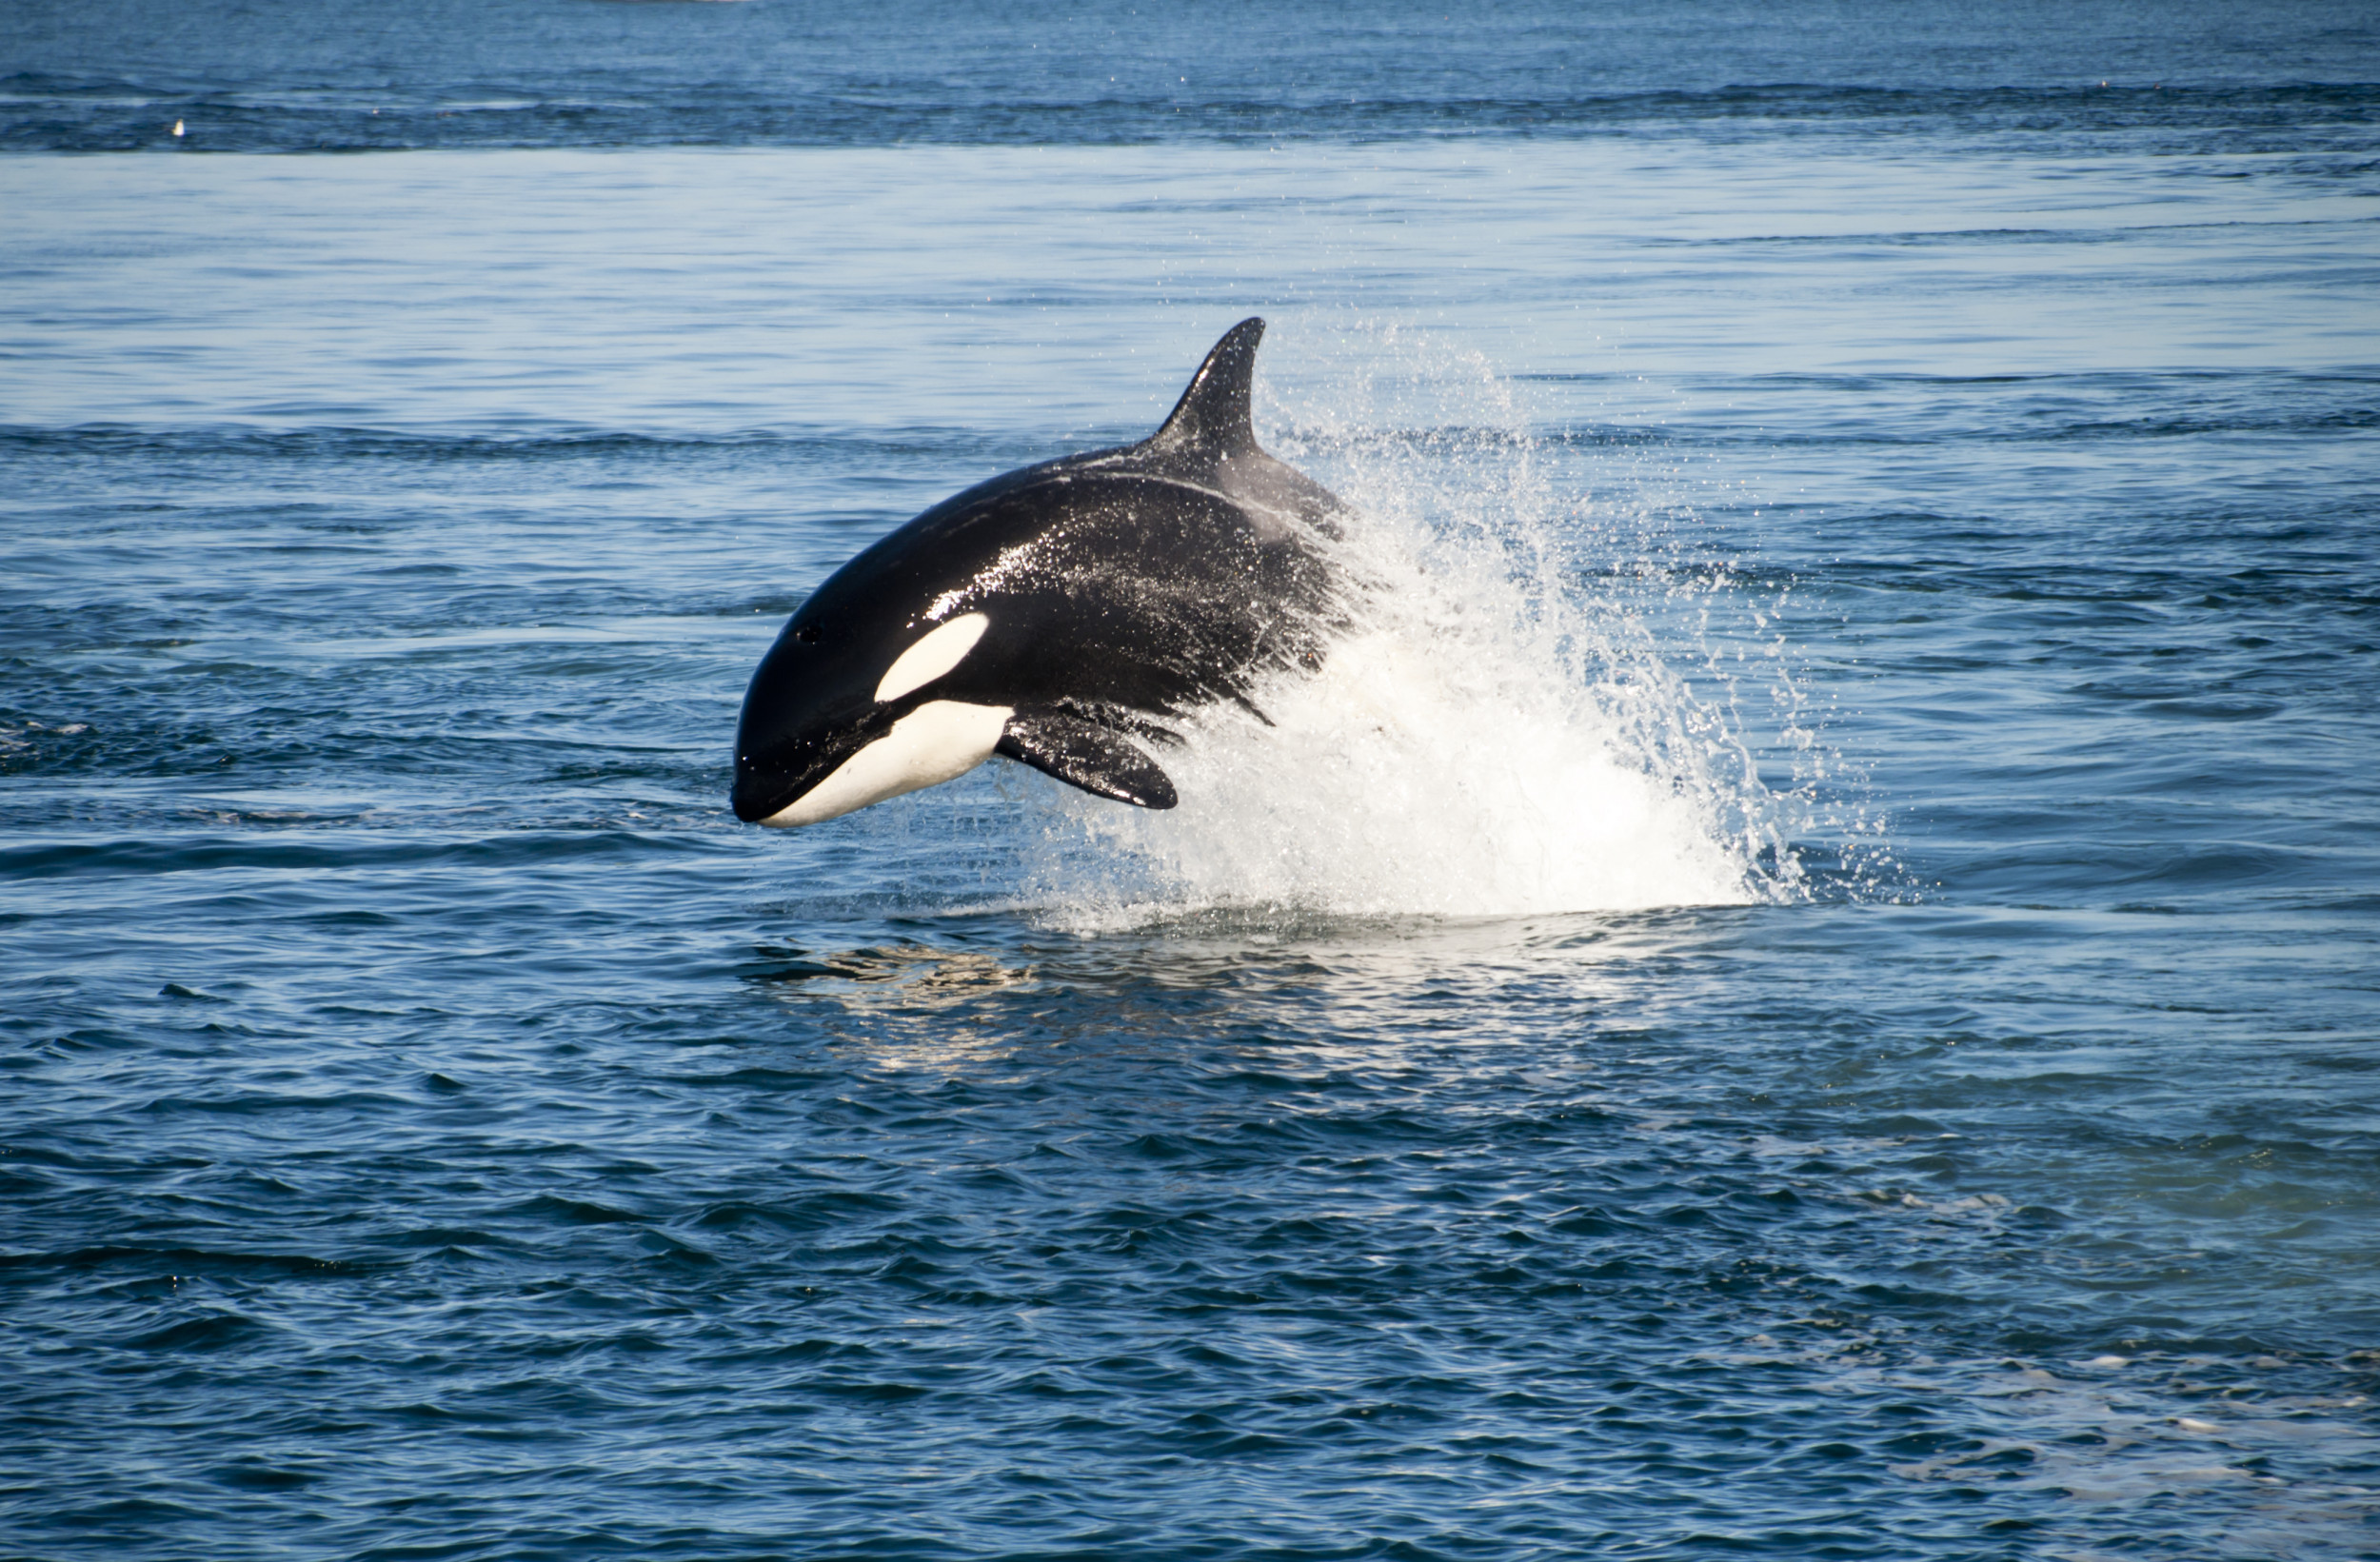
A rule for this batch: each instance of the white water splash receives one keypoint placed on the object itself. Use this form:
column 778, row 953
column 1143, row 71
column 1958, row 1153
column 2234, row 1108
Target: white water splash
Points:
column 1501, row 734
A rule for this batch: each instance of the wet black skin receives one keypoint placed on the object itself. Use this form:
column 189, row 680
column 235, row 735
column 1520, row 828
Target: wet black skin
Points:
column 1123, row 587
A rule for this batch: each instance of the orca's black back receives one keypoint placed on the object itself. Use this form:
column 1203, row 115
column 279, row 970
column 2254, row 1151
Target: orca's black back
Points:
column 1107, row 583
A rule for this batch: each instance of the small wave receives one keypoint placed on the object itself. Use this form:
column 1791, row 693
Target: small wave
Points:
column 804, row 102
column 202, row 854
column 332, row 442
column 212, row 1333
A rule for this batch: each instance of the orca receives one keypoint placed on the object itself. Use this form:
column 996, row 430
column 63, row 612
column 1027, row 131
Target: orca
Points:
column 1058, row 615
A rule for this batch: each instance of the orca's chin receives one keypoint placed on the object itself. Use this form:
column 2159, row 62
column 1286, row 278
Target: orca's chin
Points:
column 940, row 741
column 763, row 790
column 754, row 803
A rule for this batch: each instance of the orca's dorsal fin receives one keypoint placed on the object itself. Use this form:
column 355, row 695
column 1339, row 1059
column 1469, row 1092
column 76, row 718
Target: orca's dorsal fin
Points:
column 1213, row 416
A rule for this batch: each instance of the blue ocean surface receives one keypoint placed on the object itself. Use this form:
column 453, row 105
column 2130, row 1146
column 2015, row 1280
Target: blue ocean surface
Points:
column 1805, row 983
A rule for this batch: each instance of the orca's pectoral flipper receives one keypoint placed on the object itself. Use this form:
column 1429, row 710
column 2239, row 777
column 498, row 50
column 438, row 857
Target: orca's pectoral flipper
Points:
column 1086, row 755
column 1214, row 416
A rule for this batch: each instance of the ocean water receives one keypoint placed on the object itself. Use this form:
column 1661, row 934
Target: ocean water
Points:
column 1805, row 983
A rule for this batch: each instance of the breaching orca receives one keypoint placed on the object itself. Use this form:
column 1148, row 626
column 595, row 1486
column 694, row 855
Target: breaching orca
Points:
column 1054, row 615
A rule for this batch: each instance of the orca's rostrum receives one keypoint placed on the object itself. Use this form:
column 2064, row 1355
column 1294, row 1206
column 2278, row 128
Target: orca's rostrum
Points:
column 1057, row 615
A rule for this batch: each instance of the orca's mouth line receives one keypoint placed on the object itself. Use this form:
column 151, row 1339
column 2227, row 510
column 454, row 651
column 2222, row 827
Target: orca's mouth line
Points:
column 763, row 790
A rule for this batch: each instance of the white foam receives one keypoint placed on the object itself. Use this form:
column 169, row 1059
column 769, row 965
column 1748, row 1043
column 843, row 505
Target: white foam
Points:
column 1495, row 738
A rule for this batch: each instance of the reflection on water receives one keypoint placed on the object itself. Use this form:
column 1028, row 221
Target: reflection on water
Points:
column 891, row 978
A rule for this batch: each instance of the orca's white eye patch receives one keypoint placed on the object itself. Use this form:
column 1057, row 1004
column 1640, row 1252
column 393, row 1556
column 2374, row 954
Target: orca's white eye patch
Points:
column 942, row 648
